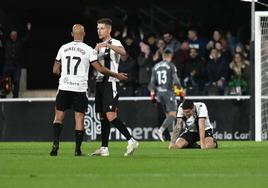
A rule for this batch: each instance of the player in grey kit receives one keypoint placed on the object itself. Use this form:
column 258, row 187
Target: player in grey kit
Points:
column 164, row 77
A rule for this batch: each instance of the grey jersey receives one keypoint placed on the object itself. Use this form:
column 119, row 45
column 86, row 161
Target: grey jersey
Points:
column 164, row 76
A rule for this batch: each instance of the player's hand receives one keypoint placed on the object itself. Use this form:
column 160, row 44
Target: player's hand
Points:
column 171, row 146
column 153, row 97
column 121, row 76
column 179, row 92
column 101, row 45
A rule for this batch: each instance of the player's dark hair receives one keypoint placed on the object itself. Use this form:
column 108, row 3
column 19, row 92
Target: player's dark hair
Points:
column 106, row 21
column 187, row 104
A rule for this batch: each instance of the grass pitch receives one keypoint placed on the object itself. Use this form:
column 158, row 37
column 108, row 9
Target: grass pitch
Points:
column 235, row 164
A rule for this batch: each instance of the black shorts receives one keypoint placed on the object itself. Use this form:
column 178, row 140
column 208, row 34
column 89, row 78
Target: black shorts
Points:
column 70, row 99
column 193, row 137
column 106, row 97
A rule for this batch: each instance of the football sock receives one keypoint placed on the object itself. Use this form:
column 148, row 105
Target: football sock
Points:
column 57, row 128
column 168, row 123
column 105, row 132
column 79, row 135
column 121, row 127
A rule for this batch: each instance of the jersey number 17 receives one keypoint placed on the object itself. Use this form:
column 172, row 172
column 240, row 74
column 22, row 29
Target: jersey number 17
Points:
column 77, row 61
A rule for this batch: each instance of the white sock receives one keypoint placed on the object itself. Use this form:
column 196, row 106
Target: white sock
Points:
column 130, row 141
column 105, row 148
column 162, row 129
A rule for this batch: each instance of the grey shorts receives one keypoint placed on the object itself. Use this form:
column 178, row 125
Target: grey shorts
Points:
column 168, row 100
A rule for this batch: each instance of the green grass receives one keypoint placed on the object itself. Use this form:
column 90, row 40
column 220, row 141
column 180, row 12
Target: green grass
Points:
column 234, row 164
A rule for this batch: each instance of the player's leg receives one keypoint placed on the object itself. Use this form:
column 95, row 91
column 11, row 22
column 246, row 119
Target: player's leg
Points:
column 185, row 140
column 105, row 125
column 79, row 132
column 80, row 104
column 181, row 143
column 210, row 141
column 168, row 101
column 110, row 106
column 57, row 128
column 105, row 133
column 62, row 104
column 105, row 130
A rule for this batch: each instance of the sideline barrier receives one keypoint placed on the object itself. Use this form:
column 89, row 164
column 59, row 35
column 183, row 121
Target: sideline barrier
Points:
column 30, row 119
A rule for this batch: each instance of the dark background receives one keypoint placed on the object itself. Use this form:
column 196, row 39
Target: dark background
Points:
column 52, row 21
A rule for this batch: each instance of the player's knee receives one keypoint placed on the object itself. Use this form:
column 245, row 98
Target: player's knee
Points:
column 111, row 116
column 180, row 144
column 210, row 145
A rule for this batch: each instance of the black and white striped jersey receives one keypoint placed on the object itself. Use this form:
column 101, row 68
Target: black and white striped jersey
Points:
column 110, row 59
column 191, row 123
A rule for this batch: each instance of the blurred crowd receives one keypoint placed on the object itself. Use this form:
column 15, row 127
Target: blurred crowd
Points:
column 216, row 66
column 12, row 52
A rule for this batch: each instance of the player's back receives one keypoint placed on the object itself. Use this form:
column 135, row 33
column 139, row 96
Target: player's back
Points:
column 163, row 72
column 75, row 57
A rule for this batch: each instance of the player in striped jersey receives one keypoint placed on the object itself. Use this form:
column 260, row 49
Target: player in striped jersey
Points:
column 193, row 118
column 106, row 96
column 72, row 65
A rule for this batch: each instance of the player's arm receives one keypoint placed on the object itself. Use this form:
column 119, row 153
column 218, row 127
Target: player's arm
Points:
column 175, row 134
column 201, row 125
column 176, row 80
column 152, row 86
column 152, row 83
column 57, row 68
column 118, row 49
column 107, row 72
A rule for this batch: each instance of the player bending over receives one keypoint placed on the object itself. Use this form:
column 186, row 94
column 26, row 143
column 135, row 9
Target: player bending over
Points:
column 193, row 117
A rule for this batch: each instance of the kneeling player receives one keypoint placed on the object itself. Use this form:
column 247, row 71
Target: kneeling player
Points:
column 193, row 117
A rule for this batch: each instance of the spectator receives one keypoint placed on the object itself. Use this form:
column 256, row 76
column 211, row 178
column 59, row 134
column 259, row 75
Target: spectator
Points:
column 161, row 45
column 145, row 63
column 240, row 73
column 152, row 42
column 181, row 57
column 194, row 73
column 239, row 48
column 217, row 36
column 217, row 71
column 1, row 50
column 128, row 65
column 195, row 42
column 171, row 42
column 14, row 56
column 225, row 53
column 131, row 46
column 231, row 41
